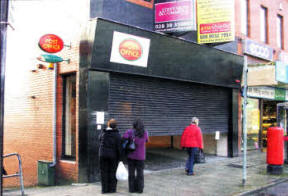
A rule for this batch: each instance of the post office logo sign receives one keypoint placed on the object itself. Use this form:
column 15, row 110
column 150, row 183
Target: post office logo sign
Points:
column 129, row 49
column 258, row 50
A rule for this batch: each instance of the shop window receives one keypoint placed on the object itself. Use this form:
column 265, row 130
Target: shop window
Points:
column 69, row 117
column 279, row 31
column 264, row 24
column 244, row 17
column 268, row 119
column 253, row 123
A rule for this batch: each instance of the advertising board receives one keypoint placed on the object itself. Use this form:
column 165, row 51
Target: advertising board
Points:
column 215, row 20
column 175, row 16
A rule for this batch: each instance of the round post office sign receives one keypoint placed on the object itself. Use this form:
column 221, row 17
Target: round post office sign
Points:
column 130, row 49
column 51, row 43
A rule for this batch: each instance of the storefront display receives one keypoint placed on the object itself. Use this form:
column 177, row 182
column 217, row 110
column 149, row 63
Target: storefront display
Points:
column 269, row 119
column 253, row 123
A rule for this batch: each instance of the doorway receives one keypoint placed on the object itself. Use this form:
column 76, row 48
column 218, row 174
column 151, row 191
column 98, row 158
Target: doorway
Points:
column 269, row 119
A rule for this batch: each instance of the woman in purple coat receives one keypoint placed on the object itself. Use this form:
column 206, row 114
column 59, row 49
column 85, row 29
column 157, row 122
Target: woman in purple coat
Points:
column 137, row 157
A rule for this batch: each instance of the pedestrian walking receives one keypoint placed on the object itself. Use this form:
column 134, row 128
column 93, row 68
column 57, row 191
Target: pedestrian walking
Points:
column 192, row 141
column 109, row 156
column 136, row 158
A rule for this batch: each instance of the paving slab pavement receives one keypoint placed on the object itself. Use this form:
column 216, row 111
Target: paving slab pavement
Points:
column 218, row 176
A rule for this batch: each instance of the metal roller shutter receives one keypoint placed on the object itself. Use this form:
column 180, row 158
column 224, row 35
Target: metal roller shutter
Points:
column 166, row 106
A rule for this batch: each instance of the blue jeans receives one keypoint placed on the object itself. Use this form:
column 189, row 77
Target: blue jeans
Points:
column 191, row 159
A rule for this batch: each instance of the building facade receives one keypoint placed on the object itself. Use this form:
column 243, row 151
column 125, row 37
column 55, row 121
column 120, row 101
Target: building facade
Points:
column 166, row 82
column 261, row 31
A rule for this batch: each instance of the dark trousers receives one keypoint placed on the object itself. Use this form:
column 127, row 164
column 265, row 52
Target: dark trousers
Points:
column 136, row 181
column 191, row 159
column 108, row 169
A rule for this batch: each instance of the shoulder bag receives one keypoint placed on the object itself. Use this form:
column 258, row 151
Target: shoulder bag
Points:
column 129, row 144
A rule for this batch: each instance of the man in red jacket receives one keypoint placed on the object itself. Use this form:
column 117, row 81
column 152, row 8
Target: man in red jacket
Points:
column 191, row 139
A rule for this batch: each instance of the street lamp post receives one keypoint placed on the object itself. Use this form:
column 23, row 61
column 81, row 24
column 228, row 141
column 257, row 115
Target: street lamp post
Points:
column 3, row 29
column 244, row 104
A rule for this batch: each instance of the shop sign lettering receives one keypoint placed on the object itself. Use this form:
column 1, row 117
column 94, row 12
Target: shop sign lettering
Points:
column 267, row 93
column 175, row 16
column 258, row 50
column 215, row 21
column 130, row 50
column 261, row 92
column 51, row 43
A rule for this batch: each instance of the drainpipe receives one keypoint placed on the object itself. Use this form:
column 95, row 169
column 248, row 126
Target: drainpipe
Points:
column 54, row 116
column 245, row 71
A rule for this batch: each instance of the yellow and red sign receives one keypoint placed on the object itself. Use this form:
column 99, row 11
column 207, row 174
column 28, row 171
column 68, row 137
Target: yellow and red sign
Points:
column 51, row 43
column 215, row 20
column 130, row 49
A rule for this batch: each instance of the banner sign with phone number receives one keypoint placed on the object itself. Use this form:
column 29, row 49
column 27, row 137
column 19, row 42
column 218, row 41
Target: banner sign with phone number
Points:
column 215, row 19
column 175, row 16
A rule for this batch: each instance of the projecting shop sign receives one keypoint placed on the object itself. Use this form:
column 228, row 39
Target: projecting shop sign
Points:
column 283, row 57
column 175, row 16
column 281, row 73
column 130, row 49
column 215, row 20
column 258, row 50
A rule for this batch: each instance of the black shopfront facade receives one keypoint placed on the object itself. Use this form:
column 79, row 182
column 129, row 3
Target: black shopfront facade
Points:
column 181, row 80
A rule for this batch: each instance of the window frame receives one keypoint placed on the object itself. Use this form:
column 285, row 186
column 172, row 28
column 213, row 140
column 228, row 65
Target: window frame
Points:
column 264, row 25
column 63, row 153
column 245, row 20
column 280, row 32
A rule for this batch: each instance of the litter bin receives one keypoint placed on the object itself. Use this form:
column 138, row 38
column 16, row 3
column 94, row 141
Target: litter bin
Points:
column 275, row 150
column 46, row 174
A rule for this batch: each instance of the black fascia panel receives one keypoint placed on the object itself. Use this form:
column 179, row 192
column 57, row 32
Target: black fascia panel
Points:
column 169, row 57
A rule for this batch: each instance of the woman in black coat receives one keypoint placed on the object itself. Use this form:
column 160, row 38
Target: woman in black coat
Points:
column 109, row 153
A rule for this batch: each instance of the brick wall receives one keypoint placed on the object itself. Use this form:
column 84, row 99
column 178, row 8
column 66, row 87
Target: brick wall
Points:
column 28, row 120
column 273, row 8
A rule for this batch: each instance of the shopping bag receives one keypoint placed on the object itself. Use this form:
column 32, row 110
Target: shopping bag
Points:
column 121, row 173
column 200, row 156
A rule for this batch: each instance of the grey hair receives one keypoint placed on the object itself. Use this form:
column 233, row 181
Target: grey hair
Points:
column 194, row 120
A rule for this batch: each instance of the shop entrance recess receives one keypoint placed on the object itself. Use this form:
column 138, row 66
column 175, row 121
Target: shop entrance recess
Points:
column 269, row 115
column 282, row 115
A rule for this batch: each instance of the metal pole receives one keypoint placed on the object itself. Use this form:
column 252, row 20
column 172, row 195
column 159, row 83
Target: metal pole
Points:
column 245, row 71
column 3, row 29
column 54, row 115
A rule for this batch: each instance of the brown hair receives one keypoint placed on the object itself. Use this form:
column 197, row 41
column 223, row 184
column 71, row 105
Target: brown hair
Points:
column 112, row 123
